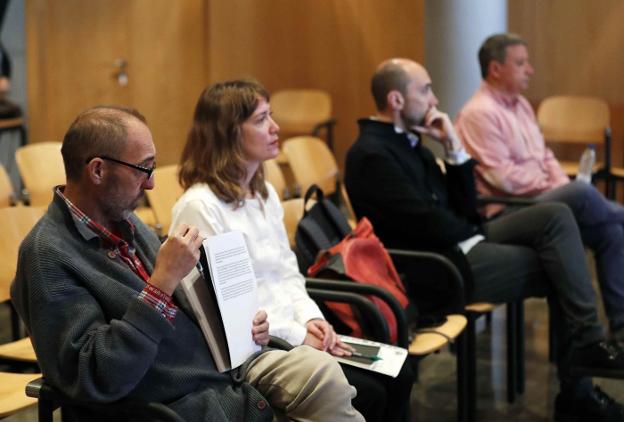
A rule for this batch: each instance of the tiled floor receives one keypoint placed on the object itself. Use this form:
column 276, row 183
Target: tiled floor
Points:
column 434, row 398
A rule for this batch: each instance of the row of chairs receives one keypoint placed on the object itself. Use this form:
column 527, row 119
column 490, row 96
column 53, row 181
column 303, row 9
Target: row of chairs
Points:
column 18, row 354
column 312, row 162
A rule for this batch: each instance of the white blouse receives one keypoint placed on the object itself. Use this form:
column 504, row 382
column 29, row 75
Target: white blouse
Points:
column 281, row 288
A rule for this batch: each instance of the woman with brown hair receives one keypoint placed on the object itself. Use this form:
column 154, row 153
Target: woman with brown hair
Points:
column 222, row 175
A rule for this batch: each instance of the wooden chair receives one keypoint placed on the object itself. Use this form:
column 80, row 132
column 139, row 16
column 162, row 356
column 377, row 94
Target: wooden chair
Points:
column 7, row 196
column 163, row 197
column 579, row 121
column 15, row 223
column 41, row 168
column 274, row 176
column 311, row 162
column 12, row 393
column 303, row 112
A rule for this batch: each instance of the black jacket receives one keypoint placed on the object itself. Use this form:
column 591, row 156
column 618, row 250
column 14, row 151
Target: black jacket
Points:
column 411, row 203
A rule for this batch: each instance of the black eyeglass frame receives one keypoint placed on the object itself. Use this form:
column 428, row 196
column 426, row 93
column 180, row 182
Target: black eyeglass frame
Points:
column 147, row 170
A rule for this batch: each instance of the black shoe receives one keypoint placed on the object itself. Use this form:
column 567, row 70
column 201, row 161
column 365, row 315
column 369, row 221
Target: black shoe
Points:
column 596, row 406
column 601, row 359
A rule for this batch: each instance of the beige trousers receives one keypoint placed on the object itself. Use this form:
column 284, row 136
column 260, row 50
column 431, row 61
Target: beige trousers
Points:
column 303, row 384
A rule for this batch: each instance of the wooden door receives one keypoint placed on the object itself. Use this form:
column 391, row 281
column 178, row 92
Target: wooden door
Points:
column 76, row 50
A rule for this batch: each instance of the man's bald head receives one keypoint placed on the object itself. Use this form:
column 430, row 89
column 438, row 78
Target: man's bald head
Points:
column 393, row 75
column 99, row 131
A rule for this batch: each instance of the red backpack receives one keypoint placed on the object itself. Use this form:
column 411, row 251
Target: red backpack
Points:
column 361, row 257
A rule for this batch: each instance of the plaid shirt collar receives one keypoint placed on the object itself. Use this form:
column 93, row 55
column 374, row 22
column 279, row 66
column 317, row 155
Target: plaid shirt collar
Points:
column 90, row 229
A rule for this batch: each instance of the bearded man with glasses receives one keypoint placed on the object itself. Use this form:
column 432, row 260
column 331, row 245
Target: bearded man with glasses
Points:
column 100, row 298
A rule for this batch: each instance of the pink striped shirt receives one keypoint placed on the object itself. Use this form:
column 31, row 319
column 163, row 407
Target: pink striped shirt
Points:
column 502, row 134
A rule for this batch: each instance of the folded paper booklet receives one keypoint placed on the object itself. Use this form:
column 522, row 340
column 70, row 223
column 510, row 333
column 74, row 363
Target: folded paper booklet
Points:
column 375, row 356
column 226, row 300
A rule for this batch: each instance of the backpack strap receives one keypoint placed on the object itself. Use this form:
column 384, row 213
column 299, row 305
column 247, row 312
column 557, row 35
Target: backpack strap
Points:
column 313, row 190
column 330, row 212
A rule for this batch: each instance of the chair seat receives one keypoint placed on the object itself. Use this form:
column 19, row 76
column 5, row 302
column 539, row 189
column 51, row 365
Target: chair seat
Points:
column 12, row 392
column 20, row 350
column 429, row 342
column 571, row 167
column 617, row 171
column 480, row 307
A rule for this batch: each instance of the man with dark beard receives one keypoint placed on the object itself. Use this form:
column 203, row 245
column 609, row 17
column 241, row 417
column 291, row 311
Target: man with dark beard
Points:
column 395, row 181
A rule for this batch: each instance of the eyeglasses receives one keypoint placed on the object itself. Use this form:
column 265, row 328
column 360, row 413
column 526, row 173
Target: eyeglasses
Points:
column 146, row 170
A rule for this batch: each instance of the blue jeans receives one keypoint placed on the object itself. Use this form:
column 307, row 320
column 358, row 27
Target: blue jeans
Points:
column 601, row 223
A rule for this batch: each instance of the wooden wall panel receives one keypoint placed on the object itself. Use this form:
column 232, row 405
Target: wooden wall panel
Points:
column 66, row 52
column 72, row 46
column 576, row 48
column 176, row 48
column 327, row 44
column 168, row 57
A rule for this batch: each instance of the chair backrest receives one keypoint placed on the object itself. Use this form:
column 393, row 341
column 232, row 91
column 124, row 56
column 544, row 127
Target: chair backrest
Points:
column 312, row 163
column 13, row 397
column 297, row 111
column 274, row 176
column 15, row 223
column 293, row 211
column 7, row 197
column 574, row 119
column 166, row 192
column 41, row 168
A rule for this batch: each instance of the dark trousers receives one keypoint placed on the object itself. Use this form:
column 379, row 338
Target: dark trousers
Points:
column 601, row 223
column 380, row 397
column 537, row 251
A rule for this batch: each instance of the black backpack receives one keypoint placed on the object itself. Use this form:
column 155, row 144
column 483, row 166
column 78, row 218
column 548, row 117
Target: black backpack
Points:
column 321, row 227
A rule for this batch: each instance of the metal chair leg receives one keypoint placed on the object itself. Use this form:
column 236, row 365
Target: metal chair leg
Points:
column 520, row 344
column 552, row 338
column 464, row 400
column 512, row 352
column 471, row 363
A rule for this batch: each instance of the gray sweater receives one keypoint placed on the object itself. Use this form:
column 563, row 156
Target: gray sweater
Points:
column 96, row 341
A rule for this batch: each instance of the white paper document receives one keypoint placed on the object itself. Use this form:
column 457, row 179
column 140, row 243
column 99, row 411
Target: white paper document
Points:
column 235, row 287
column 375, row 356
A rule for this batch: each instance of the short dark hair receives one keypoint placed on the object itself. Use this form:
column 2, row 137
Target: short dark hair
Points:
column 494, row 48
column 213, row 153
column 390, row 76
column 100, row 130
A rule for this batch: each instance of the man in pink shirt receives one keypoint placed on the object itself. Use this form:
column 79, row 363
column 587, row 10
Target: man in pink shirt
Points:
column 499, row 129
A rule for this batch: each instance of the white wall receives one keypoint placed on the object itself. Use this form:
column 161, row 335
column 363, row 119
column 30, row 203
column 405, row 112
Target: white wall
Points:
column 454, row 31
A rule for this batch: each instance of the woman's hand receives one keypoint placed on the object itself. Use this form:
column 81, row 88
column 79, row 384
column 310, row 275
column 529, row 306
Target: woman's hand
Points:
column 260, row 329
column 341, row 349
column 321, row 335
